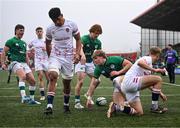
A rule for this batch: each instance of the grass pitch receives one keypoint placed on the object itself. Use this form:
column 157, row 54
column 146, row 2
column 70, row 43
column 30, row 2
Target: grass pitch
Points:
column 15, row 114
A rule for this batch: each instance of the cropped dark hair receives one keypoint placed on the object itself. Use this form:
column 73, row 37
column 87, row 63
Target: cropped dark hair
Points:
column 18, row 26
column 39, row 28
column 170, row 45
column 96, row 28
column 54, row 13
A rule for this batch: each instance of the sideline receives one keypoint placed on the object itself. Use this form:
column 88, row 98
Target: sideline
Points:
column 171, row 84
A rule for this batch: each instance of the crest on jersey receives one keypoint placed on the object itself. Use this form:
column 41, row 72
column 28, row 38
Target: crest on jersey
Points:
column 102, row 71
column 96, row 46
column 112, row 66
column 87, row 45
column 17, row 44
column 67, row 29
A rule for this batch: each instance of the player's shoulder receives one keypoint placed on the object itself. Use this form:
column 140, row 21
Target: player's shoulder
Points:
column 114, row 57
column 85, row 37
column 34, row 41
column 51, row 26
column 69, row 21
column 98, row 41
column 146, row 57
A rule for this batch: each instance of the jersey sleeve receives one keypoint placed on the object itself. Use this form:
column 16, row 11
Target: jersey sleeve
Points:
column 176, row 55
column 97, row 73
column 75, row 29
column 48, row 34
column 120, row 60
column 83, row 38
column 30, row 45
column 8, row 43
column 99, row 46
column 148, row 60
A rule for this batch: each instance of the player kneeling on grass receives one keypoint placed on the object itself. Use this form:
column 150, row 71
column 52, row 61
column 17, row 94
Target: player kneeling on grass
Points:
column 139, row 77
column 19, row 60
column 111, row 67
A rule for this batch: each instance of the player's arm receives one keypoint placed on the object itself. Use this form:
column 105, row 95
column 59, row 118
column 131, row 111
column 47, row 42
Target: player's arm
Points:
column 83, row 57
column 3, row 57
column 78, row 47
column 90, row 92
column 48, row 47
column 92, row 87
column 27, row 59
column 143, row 64
column 126, row 66
column 176, row 56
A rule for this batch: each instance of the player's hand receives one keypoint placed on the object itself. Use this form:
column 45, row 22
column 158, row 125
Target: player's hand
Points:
column 89, row 105
column 83, row 60
column 4, row 66
column 159, row 70
column 76, row 58
column 114, row 73
column 163, row 96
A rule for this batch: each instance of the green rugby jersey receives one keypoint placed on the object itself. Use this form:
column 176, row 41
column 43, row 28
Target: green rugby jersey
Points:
column 113, row 63
column 89, row 45
column 17, row 49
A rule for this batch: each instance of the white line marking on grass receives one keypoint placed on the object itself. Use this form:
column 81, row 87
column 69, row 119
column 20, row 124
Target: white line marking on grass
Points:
column 60, row 88
column 170, row 84
column 169, row 95
column 100, row 87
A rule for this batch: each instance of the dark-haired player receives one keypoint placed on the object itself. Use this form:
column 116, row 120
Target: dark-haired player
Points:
column 19, row 64
column 41, row 59
column 61, row 33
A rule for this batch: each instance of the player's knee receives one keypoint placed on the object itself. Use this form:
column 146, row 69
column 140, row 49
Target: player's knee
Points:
column 97, row 81
column 159, row 79
column 139, row 113
column 40, row 76
column 32, row 81
column 80, row 83
column 53, row 75
column 22, row 78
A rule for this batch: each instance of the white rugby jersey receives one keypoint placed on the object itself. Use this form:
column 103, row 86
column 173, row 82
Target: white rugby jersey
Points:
column 40, row 54
column 136, row 70
column 62, row 38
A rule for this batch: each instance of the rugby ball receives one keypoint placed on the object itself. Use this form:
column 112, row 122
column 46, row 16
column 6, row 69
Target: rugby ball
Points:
column 101, row 101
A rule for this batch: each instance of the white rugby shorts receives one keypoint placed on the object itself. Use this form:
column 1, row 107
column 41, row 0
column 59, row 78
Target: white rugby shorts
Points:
column 14, row 66
column 130, row 87
column 87, row 68
column 61, row 65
